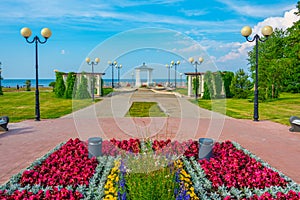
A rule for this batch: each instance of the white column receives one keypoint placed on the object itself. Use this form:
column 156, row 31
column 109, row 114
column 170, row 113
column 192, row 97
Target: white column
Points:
column 202, row 85
column 137, row 78
column 190, row 88
column 98, row 84
column 149, row 76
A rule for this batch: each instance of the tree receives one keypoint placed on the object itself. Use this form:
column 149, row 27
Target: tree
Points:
column 208, row 79
column 206, row 94
column 227, row 77
column 52, row 84
column 70, row 85
column 82, row 90
column 240, row 85
column 28, row 85
column 196, row 84
column 218, row 84
column 60, row 87
column 279, row 62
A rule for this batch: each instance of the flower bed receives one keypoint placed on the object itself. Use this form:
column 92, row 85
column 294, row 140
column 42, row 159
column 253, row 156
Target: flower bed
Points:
column 134, row 169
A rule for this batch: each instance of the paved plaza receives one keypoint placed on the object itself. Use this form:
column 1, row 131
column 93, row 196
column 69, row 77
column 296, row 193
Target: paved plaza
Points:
column 28, row 140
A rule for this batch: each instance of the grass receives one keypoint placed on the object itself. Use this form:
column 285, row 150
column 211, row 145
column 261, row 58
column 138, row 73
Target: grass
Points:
column 145, row 109
column 279, row 110
column 20, row 106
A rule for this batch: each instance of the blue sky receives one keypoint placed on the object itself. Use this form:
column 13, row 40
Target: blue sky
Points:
column 132, row 32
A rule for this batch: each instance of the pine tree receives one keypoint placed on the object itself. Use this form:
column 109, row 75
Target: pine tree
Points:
column 70, row 85
column 206, row 94
column 241, row 85
column 60, row 87
column 82, row 91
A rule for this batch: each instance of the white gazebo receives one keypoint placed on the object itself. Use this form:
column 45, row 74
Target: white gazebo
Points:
column 140, row 69
column 191, row 76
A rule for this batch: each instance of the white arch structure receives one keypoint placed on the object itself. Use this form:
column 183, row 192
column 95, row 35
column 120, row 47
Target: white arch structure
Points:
column 140, row 69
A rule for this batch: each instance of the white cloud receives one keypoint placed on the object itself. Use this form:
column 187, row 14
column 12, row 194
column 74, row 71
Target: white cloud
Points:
column 63, row 52
column 278, row 22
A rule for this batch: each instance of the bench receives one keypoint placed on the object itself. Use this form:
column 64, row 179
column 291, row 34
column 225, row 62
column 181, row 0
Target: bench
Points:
column 295, row 124
column 3, row 123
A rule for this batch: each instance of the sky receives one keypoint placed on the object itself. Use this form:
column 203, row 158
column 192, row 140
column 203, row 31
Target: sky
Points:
column 133, row 32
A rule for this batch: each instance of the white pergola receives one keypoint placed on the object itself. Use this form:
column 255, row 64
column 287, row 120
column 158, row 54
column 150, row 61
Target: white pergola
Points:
column 140, row 69
column 89, row 77
column 191, row 76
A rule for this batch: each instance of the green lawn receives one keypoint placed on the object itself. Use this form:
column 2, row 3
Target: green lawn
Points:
column 277, row 110
column 145, row 109
column 21, row 105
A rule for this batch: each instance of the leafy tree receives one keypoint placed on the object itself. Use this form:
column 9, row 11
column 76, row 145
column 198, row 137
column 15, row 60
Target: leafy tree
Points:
column 82, row 90
column 227, row 77
column 52, row 84
column 70, row 85
column 292, row 55
column 28, row 85
column 60, row 87
column 240, row 85
column 279, row 62
column 206, row 94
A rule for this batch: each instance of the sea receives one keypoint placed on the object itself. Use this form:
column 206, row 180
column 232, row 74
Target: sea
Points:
column 22, row 82
column 45, row 82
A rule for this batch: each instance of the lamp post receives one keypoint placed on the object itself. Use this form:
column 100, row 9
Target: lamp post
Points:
column 175, row 64
column 46, row 33
column 168, row 66
column 89, row 62
column 181, row 84
column 112, row 64
column 1, row 92
column 246, row 32
column 119, row 68
column 196, row 63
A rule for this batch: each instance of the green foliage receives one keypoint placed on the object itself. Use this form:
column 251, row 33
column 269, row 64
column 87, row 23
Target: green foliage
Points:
column 218, row 84
column 206, row 94
column 28, row 85
column 196, row 84
column 227, row 77
column 60, row 87
column 70, row 85
column 52, row 84
column 279, row 62
column 240, row 85
column 82, row 90
column 209, row 80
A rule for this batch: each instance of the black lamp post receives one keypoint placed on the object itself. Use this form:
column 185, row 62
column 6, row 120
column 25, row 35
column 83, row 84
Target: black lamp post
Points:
column 119, row 68
column 266, row 31
column 88, row 61
column 112, row 64
column 168, row 66
column 196, row 63
column 1, row 92
column 175, row 64
column 46, row 33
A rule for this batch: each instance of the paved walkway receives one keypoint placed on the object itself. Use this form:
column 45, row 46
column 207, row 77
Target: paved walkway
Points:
column 29, row 140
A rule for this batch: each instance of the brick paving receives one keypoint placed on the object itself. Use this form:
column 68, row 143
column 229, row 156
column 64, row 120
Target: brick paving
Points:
column 28, row 140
